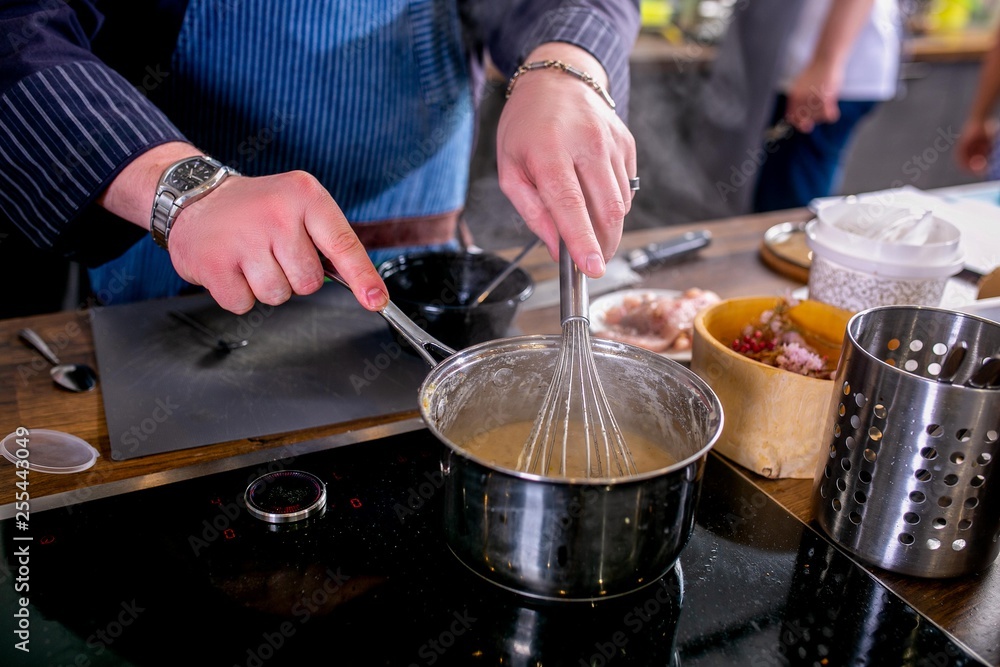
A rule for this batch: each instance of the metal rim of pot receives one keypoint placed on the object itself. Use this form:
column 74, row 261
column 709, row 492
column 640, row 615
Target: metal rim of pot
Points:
column 439, row 369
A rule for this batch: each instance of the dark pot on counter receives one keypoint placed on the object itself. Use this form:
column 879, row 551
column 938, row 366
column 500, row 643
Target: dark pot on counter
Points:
column 566, row 539
column 437, row 289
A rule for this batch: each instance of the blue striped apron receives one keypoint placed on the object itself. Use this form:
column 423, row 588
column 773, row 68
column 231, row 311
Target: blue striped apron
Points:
column 370, row 96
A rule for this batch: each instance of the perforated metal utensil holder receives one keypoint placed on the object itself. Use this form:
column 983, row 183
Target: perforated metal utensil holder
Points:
column 908, row 480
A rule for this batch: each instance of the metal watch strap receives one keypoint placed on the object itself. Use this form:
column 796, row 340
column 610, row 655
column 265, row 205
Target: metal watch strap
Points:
column 167, row 204
column 161, row 219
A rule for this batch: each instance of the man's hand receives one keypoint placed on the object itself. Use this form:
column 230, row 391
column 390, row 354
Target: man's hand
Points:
column 812, row 97
column 251, row 238
column 565, row 158
column 975, row 144
column 257, row 239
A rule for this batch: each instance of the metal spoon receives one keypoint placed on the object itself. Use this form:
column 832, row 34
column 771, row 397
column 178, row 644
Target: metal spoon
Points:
column 500, row 277
column 75, row 377
column 221, row 343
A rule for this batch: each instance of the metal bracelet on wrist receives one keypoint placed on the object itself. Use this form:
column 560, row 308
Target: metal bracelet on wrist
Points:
column 562, row 67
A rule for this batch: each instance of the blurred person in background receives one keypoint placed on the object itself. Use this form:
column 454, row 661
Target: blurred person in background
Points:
column 339, row 127
column 977, row 151
column 841, row 60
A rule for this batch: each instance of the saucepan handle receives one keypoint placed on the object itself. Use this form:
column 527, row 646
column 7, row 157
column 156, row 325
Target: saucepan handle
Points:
column 431, row 349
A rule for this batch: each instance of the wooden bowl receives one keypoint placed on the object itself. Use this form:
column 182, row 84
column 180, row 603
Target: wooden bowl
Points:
column 774, row 420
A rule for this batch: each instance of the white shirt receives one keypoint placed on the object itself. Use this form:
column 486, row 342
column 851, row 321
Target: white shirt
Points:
column 873, row 67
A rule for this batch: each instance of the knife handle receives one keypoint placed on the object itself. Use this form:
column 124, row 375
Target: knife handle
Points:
column 672, row 249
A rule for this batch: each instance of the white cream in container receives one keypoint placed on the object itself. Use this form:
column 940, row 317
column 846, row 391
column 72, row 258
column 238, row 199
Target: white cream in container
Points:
column 866, row 254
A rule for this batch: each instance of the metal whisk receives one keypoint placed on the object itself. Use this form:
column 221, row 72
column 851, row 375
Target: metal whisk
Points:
column 575, row 433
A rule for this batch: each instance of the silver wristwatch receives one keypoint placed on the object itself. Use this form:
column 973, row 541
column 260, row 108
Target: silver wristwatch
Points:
column 182, row 183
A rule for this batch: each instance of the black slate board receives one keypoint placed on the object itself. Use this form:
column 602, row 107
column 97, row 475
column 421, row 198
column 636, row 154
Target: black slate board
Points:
column 313, row 361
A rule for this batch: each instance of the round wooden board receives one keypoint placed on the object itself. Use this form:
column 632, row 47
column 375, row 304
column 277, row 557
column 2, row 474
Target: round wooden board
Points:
column 784, row 250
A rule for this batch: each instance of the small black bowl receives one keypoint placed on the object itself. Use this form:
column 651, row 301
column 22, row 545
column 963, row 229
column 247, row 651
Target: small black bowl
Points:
column 437, row 290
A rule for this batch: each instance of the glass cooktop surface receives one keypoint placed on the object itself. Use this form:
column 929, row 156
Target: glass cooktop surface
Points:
column 186, row 574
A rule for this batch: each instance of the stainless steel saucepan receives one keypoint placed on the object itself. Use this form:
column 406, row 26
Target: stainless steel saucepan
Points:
column 555, row 538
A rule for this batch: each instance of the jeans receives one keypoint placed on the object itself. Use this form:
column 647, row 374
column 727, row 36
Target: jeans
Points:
column 801, row 166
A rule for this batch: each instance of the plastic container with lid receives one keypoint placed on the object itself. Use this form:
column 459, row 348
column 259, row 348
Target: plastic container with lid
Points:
column 868, row 254
column 45, row 450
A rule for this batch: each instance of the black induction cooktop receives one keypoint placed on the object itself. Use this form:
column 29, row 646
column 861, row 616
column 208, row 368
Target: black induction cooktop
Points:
column 185, row 574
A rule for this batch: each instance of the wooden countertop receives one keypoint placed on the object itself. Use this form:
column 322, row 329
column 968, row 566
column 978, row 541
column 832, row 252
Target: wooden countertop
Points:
column 731, row 266
column 652, row 48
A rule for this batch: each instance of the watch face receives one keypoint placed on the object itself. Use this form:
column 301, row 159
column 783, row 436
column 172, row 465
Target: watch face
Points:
column 191, row 174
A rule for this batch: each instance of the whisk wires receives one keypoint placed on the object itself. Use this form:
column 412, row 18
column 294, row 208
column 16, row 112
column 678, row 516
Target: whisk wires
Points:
column 575, row 432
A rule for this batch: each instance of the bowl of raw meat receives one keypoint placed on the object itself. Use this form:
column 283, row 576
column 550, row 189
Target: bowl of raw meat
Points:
column 771, row 361
column 658, row 320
